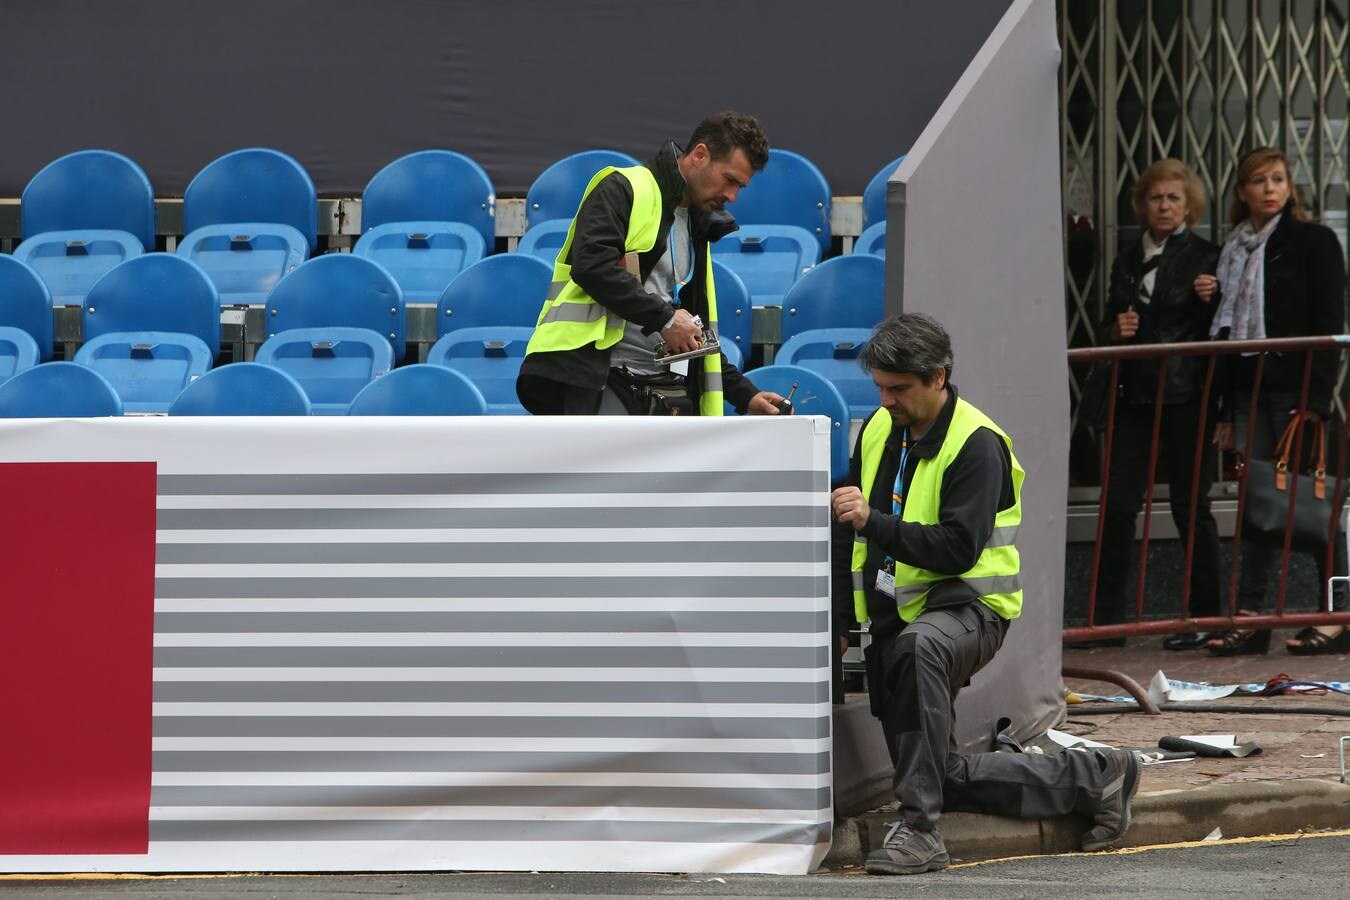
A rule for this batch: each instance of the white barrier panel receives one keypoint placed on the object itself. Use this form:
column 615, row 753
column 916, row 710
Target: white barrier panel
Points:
column 379, row 644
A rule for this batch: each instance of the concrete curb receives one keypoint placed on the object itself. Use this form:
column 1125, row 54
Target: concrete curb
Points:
column 1240, row 810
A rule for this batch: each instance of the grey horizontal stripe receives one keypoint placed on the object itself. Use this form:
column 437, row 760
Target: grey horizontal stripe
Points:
column 995, row 584
column 732, row 481
column 620, row 621
column 786, row 586
column 496, row 796
column 583, row 312
column 488, row 692
column 575, row 517
column 681, row 727
column 498, row 552
column 491, row 830
column 522, row 761
column 555, row 288
column 1003, row 536
column 505, row 657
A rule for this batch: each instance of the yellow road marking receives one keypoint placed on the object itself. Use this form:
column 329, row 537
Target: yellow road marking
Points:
column 1180, row 845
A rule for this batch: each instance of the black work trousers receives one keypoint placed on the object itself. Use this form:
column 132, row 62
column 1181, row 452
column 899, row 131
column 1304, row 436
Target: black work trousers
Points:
column 914, row 680
column 1126, row 485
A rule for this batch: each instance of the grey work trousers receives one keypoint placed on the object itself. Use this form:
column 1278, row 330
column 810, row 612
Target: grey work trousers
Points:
column 918, row 674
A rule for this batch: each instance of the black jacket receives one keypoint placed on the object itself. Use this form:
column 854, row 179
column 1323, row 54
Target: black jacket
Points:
column 1174, row 314
column 595, row 255
column 1305, row 295
column 975, row 487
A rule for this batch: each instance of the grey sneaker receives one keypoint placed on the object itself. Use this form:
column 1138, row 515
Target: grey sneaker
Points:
column 908, row 851
column 1113, row 817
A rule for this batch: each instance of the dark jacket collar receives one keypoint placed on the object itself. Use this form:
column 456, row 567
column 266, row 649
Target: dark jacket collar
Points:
column 928, row 445
column 1286, row 224
column 666, row 168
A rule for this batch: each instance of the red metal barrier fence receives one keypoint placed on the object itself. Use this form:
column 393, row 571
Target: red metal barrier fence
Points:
column 1212, row 351
column 1183, row 620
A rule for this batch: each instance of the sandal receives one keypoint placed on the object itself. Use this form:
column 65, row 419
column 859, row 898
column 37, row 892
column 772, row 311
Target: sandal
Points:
column 1310, row 642
column 1236, row 642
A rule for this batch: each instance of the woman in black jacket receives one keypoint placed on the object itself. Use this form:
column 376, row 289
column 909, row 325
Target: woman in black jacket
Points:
column 1280, row 276
column 1153, row 300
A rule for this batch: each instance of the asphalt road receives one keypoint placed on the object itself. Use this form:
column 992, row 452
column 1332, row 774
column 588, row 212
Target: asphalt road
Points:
column 1306, row 867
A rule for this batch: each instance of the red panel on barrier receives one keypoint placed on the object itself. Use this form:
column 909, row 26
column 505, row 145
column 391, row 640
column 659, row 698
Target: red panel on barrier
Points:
column 76, row 657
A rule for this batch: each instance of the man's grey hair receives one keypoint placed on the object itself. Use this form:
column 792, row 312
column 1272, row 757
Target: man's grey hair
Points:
column 909, row 344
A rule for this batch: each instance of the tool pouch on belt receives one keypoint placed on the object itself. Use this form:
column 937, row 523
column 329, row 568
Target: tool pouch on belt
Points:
column 660, row 394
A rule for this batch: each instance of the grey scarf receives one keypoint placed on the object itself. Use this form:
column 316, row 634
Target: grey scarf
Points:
column 1242, row 280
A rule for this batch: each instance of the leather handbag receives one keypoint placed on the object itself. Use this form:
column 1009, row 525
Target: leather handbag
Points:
column 1270, row 485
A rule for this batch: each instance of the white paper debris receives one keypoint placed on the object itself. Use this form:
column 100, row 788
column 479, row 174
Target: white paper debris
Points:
column 1071, row 741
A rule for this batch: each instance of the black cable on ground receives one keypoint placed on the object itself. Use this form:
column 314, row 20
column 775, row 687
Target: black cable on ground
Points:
column 1080, row 710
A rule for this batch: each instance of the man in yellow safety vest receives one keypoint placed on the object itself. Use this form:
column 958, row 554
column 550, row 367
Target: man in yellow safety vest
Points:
column 934, row 502
column 635, row 272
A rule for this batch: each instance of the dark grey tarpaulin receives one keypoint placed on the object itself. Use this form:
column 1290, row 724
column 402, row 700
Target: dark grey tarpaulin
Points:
column 345, row 86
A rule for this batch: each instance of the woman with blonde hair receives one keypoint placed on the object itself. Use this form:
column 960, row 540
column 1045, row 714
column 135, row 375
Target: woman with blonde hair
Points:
column 1153, row 299
column 1279, row 275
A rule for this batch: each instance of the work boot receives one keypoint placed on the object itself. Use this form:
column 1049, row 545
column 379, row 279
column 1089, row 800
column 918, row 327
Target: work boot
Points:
column 1113, row 816
column 908, row 851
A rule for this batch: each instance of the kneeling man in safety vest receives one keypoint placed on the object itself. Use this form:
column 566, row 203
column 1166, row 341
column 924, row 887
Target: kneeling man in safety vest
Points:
column 934, row 501
column 634, row 277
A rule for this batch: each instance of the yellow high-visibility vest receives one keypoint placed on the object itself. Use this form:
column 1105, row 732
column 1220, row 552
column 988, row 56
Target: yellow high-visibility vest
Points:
column 571, row 319
column 996, row 575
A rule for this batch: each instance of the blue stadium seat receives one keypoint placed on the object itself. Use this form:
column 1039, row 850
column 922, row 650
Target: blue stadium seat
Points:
column 233, row 211
column 154, row 292
column 872, row 240
column 18, row 351
column 70, row 262
column 545, row 240
column 769, row 259
column 833, row 353
column 339, row 289
column 245, row 260
column 431, row 186
column 732, row 353
column 58, row 390
column 419, row 390
column 332, row 364
column 92, row 190
column 506, row 289
column 844, row 292
column 556, row 193
column 733, row 308
column 874, row 197
column 815, row 396
column 423, row 257
column 789, row 191
column 242, row 389
column 151, row 326
column 26, row 303
column 148, row 369
column 490, row 358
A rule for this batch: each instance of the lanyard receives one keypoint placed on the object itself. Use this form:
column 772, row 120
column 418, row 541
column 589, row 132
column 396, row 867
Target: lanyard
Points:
column 675, row 273
column 897, row 495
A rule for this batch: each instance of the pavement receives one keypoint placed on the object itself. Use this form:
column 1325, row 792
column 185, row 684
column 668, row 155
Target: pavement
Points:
column 1291, row 786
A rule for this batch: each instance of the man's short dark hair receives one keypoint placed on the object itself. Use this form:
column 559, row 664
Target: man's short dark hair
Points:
column 909, row 344
column 725, row 131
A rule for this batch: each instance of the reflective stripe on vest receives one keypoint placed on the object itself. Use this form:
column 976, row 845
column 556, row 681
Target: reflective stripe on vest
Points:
column 570, row 319
column 710, row 401
column 995, row 577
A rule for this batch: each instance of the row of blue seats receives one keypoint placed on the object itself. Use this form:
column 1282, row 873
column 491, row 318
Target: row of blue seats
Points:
column 63, row 390
column 251, row 217
column 161, row 312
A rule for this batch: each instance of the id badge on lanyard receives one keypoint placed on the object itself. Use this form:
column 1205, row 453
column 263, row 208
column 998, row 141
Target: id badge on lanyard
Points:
column 886, row 573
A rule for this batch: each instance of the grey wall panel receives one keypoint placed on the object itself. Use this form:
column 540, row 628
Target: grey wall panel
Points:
column 995, row 279
column 345, row 86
